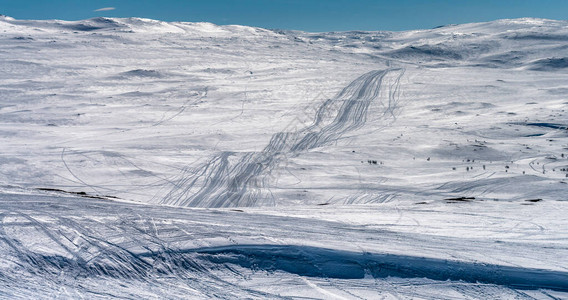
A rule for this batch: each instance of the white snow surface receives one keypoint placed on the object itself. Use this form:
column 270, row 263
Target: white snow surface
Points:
column 147, row 159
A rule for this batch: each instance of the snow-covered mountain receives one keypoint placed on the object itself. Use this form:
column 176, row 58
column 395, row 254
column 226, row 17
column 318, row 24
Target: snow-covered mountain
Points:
column 325, row 160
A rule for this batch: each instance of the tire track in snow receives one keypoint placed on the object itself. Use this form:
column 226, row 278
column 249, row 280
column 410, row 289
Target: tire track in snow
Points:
column 219, row 183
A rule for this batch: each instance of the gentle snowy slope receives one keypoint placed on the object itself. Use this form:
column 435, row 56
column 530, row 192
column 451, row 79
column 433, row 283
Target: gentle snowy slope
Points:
column 195, row 160
column 98, row 248
column 203, row 115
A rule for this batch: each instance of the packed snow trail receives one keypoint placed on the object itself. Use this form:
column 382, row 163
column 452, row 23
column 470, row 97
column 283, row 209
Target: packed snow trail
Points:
column 246, row 182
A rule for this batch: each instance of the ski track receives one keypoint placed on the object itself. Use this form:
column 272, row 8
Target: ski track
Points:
column 245, row 183
column 191, row 250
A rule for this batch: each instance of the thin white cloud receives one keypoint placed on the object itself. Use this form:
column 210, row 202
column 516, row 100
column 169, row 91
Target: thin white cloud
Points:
column 105, row 9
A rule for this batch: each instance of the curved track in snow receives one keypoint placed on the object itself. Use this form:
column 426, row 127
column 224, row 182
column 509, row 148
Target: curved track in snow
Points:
column 51, row 244
column 219, row 183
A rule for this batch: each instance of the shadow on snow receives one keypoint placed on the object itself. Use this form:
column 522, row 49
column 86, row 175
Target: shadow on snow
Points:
column 323, row 262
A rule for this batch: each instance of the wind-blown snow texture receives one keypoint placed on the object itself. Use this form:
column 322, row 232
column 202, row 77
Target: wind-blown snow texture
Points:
column 145, row 159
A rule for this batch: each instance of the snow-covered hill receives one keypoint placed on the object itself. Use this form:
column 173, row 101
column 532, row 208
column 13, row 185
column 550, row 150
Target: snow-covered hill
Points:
column 337, row 153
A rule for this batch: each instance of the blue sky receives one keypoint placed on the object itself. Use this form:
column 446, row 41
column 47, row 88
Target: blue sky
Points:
column 310, row 15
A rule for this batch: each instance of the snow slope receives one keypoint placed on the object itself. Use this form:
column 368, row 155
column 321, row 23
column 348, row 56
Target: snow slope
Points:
column 426, row 164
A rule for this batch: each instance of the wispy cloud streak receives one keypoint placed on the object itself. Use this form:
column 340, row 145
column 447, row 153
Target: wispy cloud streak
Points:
column 105, row 9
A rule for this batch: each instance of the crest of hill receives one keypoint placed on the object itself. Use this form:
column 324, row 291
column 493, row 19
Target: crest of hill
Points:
column 526, row 43
column 537, row 44
column 129, row 25
column 157, row 26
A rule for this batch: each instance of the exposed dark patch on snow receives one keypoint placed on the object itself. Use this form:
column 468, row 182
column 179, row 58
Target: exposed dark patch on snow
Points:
column 536, row 36
column 142, row 73
column 431, row 52
column 81, row 27
column 550, row 64
column 218, row 71
column 546, row 125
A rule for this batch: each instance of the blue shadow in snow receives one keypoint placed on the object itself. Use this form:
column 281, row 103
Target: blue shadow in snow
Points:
column 323, row 262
